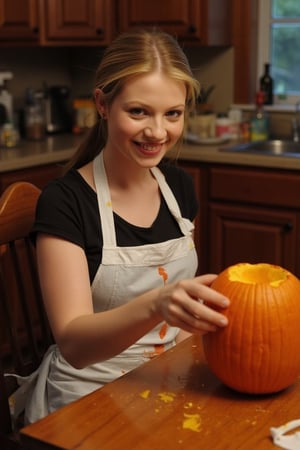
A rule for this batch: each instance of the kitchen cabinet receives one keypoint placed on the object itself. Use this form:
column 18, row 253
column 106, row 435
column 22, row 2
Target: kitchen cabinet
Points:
column 19, row 21
column 254, row 216
column 96, row 22
column 243, row 234
column 39, row 175
column 205, row 22
column 76, row 22
column 56, row 22
column 246, row 214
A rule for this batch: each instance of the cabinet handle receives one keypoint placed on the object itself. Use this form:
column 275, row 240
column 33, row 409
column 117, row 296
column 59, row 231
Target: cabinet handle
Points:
column 99, row 31
column 192, row 29
column 287, row 227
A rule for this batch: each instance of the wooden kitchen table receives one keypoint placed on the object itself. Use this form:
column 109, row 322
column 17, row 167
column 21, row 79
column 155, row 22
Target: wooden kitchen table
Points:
column 172, row 402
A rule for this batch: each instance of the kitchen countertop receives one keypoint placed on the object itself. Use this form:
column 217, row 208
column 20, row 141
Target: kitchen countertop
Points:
column 58, row 148
column 53, row 149
column 213, row 154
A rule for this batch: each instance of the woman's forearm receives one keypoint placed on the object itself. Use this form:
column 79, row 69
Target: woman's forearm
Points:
column 96, row 337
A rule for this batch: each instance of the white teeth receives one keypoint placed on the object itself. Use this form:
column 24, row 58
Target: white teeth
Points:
column 150, row 147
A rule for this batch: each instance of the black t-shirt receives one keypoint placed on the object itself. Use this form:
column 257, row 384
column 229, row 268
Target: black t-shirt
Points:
column 68, row 208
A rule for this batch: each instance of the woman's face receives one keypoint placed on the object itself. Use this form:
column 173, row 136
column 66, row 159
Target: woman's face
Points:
column 146, row 119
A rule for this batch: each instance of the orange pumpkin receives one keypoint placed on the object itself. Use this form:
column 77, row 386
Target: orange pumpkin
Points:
column 259, row 351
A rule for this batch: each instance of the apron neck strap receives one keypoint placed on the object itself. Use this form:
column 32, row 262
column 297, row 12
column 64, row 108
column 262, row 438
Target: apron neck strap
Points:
column 105, row 204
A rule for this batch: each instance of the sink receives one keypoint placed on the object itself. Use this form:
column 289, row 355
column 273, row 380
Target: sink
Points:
column 274, row 147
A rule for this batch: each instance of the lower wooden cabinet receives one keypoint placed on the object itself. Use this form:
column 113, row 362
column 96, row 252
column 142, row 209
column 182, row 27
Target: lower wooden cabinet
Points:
column 254, row 216
column 246, row 214
column 248, row 234
column 39, row 175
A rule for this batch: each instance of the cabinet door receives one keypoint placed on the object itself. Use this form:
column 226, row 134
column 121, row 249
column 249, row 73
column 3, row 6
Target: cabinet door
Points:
column 202, row 21
column 39, row 175
column 75, row 22
column 18, row 21
column 249, row 234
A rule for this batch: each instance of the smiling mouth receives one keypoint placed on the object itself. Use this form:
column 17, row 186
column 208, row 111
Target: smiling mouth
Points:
column 150, row 147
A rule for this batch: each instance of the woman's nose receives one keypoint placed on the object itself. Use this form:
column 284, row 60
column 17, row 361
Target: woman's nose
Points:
column 155, row 130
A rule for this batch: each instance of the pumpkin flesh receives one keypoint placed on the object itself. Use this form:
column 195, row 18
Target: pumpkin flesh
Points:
column 258, row 352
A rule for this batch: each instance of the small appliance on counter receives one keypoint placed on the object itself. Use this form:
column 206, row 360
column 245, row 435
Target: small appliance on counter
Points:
column 6, row 100
column 58, row 110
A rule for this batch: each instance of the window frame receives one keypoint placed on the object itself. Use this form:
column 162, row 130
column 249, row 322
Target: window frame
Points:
column 263, row 46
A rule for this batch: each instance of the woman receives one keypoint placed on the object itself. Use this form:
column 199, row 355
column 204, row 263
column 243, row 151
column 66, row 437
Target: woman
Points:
column 114, row 241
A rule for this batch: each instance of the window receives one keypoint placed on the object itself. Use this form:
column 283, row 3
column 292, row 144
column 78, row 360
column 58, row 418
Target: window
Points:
column 279, row 44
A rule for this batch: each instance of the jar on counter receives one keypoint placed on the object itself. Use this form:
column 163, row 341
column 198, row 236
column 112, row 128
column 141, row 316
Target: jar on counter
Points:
column 9, row 136
column 224, row 127
column 235, row 115
column 35, row 124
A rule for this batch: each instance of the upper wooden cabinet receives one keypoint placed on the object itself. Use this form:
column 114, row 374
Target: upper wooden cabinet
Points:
column 76, row 22
column 56, row 22
column 19, row 21
column 96, row 22
column 205, row 22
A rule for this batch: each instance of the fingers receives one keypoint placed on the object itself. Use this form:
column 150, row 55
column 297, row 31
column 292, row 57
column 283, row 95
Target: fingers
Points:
column 206, row 279
column 195, row 325
column 195, row 307
column 199, row 314
column 197, row 290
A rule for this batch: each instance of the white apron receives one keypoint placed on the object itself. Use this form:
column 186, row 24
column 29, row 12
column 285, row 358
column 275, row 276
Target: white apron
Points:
column 124, row 273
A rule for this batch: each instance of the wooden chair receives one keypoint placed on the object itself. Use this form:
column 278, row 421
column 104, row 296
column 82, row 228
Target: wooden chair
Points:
column 24, row 330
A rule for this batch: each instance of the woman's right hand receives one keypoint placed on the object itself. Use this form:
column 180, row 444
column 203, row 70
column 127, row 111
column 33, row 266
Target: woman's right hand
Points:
column 191, row 305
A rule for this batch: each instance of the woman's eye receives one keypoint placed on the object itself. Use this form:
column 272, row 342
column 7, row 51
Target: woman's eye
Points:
column 137, row 112
column 175, row 113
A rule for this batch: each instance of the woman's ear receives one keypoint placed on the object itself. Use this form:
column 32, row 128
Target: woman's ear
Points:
column 99, row 102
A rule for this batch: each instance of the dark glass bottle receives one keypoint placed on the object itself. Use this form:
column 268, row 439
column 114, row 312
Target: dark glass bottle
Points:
column 266, row 85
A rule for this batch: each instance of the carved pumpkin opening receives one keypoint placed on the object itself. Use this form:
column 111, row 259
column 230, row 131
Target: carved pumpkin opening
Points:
column 257, row 274
column 258, row 352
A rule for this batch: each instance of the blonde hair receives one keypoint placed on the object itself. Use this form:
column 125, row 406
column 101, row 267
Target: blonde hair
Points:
column 134, row 53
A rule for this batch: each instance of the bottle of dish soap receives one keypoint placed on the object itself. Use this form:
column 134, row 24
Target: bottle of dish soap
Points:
column 260, row 121
column 5, row 96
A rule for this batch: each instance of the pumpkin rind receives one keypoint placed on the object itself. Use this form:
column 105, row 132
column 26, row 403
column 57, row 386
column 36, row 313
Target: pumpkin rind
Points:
column 259, row 351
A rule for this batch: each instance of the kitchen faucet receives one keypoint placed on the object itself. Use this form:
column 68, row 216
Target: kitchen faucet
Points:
column 296, row 124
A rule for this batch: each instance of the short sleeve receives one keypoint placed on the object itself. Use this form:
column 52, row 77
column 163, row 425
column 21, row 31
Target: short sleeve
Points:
column 67, row 208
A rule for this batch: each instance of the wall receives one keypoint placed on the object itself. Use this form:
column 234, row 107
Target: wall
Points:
column 75, row 67
column 34, row 66
column 214, row 66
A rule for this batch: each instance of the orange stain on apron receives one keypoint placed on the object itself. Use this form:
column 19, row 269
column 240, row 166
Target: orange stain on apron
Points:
column 162, row 272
